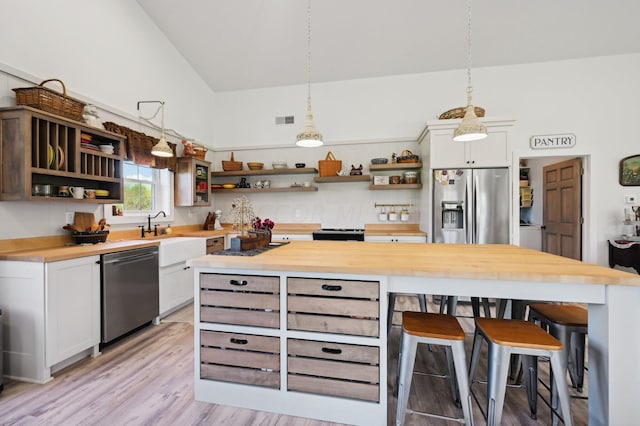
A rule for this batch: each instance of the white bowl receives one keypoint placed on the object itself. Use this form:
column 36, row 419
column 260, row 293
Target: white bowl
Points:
column 107, row 149
column 279, row 165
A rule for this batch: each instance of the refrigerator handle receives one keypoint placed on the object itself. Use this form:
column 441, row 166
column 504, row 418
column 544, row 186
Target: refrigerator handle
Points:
column 469, row 207
column 476, row 191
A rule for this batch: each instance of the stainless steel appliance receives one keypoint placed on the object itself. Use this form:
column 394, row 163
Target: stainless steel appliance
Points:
column 339, row 234
column 130, row 290
column 471, row 206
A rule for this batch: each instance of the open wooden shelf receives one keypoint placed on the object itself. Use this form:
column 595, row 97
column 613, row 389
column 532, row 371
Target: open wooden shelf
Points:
column 397, row 166
column 262, row 172
column 332, row 179
column 266, row 190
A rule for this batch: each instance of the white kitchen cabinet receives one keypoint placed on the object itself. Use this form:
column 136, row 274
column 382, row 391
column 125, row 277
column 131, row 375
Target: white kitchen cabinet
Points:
column 175, row 277
column 395, row 239
column 444, row 153
column 72, row 295
column 291, row 237
column 531, row 237
column 176, row 287
column 51, row 313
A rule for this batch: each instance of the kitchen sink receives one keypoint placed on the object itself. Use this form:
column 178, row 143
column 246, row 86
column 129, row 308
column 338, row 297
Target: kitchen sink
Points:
column 177, row 249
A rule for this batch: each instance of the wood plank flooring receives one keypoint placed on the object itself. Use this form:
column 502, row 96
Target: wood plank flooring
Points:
column 147, row 379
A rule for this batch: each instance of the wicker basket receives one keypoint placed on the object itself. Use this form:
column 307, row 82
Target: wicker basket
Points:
column 230, row 166
column 407, row 157
column 50, row 101
column 199, row 152
column 459, row 113
column 329, row 166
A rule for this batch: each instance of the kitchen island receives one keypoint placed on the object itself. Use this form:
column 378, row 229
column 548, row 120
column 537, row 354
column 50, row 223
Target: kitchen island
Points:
column 303, row 315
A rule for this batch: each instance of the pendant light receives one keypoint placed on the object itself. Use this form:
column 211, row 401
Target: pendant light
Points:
column 470, row 128
column 310, row 136
column 162, row 148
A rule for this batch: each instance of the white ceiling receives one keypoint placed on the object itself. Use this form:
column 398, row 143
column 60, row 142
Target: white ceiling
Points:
column 248, row 44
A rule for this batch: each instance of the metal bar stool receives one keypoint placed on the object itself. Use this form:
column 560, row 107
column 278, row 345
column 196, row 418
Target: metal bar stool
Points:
column 392, row 303
column 568, row 324
column 506, row 337
column 451, row 302
column 433, row 329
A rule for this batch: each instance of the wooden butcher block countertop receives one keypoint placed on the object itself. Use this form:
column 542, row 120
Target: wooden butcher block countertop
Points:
column 54, row 254
column 400, row 230
column 472, row 261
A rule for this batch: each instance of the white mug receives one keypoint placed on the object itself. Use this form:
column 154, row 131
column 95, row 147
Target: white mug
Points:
column 77, row 191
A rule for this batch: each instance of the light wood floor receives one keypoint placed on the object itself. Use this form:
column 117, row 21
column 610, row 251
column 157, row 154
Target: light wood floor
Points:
column 147, row 379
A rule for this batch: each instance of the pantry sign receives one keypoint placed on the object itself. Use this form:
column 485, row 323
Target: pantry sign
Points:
column 565, row 140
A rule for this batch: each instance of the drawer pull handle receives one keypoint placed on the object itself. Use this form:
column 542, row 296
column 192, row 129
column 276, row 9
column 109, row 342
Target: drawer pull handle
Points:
column 238, row 282
column 239, row 341
column 332, row 351
column 331, row 287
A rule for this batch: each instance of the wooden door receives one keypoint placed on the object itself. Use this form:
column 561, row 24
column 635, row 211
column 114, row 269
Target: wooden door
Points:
column 562, row 209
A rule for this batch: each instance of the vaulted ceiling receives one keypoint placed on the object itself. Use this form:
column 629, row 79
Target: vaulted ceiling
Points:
column 248, row 44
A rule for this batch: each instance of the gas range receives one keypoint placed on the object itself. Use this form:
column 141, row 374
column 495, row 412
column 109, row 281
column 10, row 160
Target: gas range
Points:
column 339, row 234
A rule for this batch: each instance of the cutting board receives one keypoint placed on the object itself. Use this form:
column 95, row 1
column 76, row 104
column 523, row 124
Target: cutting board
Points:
column 84, row 220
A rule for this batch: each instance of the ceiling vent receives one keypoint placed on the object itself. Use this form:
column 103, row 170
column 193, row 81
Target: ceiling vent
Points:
column 286, row 119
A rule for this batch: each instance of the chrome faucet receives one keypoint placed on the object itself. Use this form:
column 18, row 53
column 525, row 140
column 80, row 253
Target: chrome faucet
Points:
column 155, row 227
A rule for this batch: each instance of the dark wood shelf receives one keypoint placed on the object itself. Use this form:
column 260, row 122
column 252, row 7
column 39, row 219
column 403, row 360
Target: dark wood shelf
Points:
column 267, row 190
column 262, row 172
column 334, row 179
column 397, row 166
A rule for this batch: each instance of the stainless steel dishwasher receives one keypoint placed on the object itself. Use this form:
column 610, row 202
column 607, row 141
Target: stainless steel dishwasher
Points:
column 130, row 290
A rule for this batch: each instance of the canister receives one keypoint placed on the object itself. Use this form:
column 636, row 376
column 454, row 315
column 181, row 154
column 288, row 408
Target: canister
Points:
column 410, row 176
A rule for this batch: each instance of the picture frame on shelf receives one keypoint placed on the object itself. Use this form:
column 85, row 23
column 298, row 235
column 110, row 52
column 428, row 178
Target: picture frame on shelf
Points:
column 630, row 171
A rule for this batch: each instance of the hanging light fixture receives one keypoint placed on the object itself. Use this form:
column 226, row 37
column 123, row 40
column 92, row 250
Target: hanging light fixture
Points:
column 310, row 136
column 470, row 128
column 162, row 148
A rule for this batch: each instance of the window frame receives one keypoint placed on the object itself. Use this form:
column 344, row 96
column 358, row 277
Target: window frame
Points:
column 163, row 200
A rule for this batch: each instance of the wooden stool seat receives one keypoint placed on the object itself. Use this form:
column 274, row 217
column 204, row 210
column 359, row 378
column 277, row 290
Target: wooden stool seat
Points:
column 432, row 325
column 517, row 333
column 567, row 315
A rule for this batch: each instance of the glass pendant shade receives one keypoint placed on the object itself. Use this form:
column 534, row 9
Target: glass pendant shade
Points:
column 470, row 128
column 162, row 148
column 309, row 137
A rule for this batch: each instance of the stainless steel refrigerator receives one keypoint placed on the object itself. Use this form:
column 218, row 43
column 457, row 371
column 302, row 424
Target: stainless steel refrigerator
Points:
column 471, row 206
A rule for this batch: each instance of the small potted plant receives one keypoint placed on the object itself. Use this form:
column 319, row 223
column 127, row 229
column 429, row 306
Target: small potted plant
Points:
column 262, row 227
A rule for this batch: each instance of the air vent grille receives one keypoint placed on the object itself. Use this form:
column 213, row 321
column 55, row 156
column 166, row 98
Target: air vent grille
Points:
column 285, row 119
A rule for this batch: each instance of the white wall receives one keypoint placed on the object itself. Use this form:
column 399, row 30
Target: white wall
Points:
column 587, row 97
column 107, row 53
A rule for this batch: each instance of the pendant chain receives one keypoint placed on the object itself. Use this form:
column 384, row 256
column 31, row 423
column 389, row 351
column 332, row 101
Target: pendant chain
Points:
column 469, row 87
column 309, row 53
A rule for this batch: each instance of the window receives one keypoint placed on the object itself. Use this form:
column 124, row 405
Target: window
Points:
column 146, row 191
column 139, row 188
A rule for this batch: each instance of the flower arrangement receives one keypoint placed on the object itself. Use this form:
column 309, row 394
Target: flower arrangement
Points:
column 263, row 225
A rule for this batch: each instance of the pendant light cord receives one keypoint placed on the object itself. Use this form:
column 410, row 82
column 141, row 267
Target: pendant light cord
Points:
column 308, row 53
column 469, row 87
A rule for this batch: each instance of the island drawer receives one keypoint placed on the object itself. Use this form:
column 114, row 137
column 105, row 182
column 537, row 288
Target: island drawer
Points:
column 240, row 358
column 240, row 299
column 333, row 306
column 335, row 369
